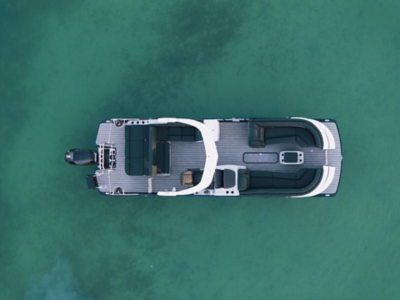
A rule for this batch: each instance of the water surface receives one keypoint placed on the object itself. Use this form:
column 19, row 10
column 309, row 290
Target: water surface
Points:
column 66, row 66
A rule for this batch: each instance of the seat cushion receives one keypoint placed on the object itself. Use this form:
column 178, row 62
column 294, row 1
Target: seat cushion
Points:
column 301, row 142
column 136, row 132
column 261, row 174
column 174, row 138
column 197, row 135
column 135, row 148
column 278, row 132
column 167, row 158
column 163, row 157
column 162, row 133
column 306, row 178
column 174, row 131
column 134, row 166
column 255, row 135
column 279, row 128
column 187, row 138
column 301, row 172
column 306, row 136
column 284, row 180
column 279, row 140
column 281, row 175
column 188, row 131
column 243, row 179
column 261, row 179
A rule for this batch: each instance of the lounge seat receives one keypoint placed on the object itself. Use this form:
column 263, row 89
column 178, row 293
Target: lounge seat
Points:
column 144, row 156
column 279, row 180
column 283, row 135
column 269, row 132
column 139, row 156
column 265, row 182
column 178, row 133
column 163, row 157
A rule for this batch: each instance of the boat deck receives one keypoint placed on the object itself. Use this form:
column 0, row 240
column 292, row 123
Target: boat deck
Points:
column 232, row 145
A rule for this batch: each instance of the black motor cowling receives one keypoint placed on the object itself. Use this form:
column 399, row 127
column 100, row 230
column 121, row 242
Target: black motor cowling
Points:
column 80, row 157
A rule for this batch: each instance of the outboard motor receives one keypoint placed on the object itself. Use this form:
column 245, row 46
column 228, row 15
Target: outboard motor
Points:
column 81, row 157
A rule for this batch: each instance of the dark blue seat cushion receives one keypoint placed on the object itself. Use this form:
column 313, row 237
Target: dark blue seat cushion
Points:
column 134, row 166
column 269, row 132
column 261, row 180
column 178, row 133
column 188, row 131
column 163, row 157
column 303, row 134
column 134, row 148
column 174, row 131
column 305, row 178
column 280, row 180
column 137, row 155
column 162, row 133
column 284, row 180
column 137, row 132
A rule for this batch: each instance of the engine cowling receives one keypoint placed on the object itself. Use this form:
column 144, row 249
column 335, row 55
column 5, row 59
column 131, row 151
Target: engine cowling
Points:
column 81, row 157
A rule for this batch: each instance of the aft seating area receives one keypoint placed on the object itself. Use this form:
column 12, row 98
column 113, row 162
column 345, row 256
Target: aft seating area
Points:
column 144, row 155
column 264, row 132
column 147, row 147
column 139, row 150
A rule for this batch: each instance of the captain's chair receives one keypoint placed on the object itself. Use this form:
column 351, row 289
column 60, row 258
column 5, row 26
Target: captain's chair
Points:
column 191, row 177
column 187, row 178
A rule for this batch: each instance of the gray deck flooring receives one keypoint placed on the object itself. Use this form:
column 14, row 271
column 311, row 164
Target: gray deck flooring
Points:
column 184, row 155
column 334, row 158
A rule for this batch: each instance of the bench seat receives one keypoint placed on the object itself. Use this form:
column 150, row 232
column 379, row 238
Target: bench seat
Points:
column 265, row 182
column 163, row 154
column 144, row 155
column 178, row 133
column 263, row 133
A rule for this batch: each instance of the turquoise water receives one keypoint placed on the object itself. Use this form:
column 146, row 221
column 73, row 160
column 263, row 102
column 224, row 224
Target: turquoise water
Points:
column 65, row 67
